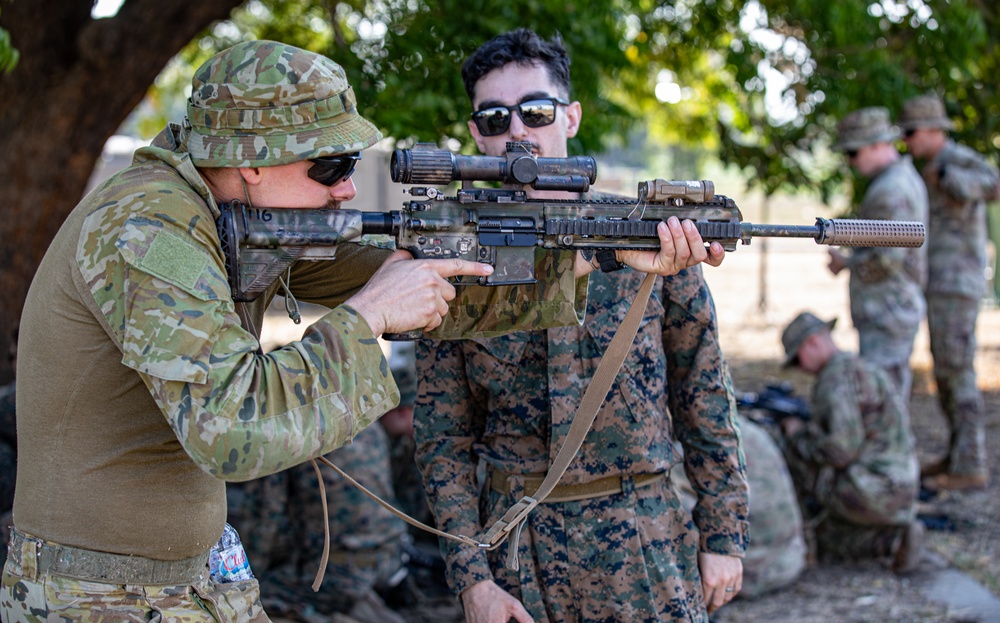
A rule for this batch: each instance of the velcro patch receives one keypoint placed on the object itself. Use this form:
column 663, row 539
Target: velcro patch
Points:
column 174, row 260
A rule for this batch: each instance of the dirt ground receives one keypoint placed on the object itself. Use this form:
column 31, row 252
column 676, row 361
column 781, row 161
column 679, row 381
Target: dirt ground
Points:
column 798, row 280
column 794, row 277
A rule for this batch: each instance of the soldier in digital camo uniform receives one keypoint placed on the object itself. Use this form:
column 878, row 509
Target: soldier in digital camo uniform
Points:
column 959, row 183
column 777, row 553
column 886, row 284
column 855, row 457
column 612, row 542
column 141, row 385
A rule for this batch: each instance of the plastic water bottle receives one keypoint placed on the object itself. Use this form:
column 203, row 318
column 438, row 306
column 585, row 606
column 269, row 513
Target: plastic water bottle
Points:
column 227, row 560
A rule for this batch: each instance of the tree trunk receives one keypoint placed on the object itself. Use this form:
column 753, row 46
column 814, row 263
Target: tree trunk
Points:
column 77, row 81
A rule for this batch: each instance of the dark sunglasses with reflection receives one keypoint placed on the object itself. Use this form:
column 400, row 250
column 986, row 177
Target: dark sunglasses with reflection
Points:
column 535, row 113
column 332, row 170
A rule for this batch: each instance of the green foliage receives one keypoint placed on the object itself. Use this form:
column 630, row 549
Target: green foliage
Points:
column 840, row 56
column 715, row 62
column 403, row 57
column 8, row 53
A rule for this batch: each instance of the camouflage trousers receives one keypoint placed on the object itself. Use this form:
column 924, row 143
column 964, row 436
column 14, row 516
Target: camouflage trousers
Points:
column 952, row 324
column 631, row 556
column 280, row 519
column 848, row 523
column 838, row 539
column 891, row 352
column 29, row 594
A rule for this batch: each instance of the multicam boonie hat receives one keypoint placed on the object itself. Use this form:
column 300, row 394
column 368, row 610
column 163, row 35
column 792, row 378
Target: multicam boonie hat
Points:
column 924, row 111
column 865, row 127
column 263, row 103
column 804, row 325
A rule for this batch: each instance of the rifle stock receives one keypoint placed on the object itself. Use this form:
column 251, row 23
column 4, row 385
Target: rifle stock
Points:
column 502, row 226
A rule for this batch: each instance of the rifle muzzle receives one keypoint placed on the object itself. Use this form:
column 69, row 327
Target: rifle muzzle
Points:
column 870, row 233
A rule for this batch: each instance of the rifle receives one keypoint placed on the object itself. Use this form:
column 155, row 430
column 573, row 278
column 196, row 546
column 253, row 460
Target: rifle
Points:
column 502, row 226
column 777, row 401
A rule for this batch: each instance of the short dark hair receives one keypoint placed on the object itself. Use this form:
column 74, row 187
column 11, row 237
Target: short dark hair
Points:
column 521, row 46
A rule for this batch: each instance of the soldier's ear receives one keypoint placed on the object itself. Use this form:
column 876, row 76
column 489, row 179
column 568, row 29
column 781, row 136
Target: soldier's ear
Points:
column 252, row 175
column 574, row 113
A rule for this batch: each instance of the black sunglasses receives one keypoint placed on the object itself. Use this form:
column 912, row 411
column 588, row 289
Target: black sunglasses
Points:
column 909, row 133
column 851, row 153
column 534, row 113
column 332, row 170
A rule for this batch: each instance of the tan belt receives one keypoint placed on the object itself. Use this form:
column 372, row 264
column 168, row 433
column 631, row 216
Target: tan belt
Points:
column 502, row 482
column 36, row 557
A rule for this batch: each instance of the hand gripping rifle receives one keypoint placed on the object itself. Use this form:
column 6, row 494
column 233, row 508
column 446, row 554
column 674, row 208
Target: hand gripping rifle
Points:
column 502, row 226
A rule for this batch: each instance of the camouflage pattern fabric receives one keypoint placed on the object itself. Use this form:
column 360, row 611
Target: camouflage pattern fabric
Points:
column 865, row 126
column 856, row 458
column 130, row 325
column 242, row 113
column 959, row 182
column 409, row 484
column 160, row 287
column 31, row 597
column 951, row 321
column 511, row 401
column 777, row 552
column 366, row 540
column 631, row 556
column 886, row 284
column 259, row 510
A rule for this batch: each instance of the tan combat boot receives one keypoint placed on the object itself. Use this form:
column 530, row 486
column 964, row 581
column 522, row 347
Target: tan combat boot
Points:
column 956, row 482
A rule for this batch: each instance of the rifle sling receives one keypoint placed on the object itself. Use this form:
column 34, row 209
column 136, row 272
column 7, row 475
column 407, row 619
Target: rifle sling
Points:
column 513, row 520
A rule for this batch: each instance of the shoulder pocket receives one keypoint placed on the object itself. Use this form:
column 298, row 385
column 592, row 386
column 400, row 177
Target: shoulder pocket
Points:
column 173, row 291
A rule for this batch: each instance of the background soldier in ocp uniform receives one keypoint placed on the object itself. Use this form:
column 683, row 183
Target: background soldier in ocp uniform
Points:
column 855, row 457
column 959, row 183
column 886, row 284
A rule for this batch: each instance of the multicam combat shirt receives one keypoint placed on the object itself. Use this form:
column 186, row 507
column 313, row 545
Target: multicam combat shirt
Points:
column 886, row 283
column 959, row 183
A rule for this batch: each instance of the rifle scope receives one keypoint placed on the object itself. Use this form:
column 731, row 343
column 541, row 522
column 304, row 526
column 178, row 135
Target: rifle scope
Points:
column 428, row 165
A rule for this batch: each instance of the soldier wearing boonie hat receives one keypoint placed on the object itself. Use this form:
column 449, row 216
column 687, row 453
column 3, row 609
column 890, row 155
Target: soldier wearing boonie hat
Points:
column 263, row 103
column 924, row 111
column 959, row 183
column 855, row 457
column 886, row 285
column 804, row 325
column 140, row 371
column 865, row 127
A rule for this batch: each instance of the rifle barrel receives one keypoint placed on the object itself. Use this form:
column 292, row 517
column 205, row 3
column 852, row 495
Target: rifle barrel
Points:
column 847, row 232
